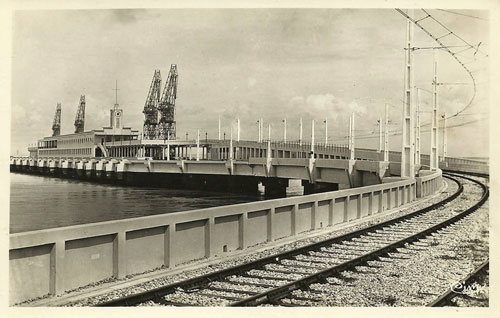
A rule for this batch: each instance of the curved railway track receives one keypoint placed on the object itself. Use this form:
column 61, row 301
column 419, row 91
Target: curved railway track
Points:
column 270, row 279
column 457, row 291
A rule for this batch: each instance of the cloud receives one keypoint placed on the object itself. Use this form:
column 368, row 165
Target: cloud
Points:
column 251, row 82
column 125, row 16
column 326, row 105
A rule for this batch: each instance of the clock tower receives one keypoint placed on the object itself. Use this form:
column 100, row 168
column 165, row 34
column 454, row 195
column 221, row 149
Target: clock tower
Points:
column 116, row 117
column 116, row 113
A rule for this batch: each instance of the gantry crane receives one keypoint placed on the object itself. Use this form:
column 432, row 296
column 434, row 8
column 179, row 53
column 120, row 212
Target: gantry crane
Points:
column 80, row 116
column 56, row 125
column 151, row 108
column 166, row 126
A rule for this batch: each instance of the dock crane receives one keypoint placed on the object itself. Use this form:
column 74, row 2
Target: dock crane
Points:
column 166, row 126
column 56, row 125
column 80, row 116
column 151, row 108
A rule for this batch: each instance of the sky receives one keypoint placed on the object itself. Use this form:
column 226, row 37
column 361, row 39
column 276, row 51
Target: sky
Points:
column 248, row 64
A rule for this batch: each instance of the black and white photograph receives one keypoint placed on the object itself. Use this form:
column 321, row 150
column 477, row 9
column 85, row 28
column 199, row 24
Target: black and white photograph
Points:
column 270, row 156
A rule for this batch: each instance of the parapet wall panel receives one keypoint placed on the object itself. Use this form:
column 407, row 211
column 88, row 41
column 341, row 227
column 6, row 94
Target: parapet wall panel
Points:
column 29, row 270
column 88, row 260
column 145, row 248
column 339, row 210
column 352, row 211
column 376, row 202
column 226, row 234
column 282, row 225
column 322, row 211
column 257, row 227
column 188, row 241
column 365, row 204
column 303, row 218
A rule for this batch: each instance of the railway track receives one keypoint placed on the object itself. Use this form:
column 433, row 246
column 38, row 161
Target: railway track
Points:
column 271, row 279
column 460, row 289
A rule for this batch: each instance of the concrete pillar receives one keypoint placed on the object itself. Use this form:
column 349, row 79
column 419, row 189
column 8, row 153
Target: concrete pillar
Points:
column 407, row 147
column 300, row 132
column 386, row 134
column 209, row 228
column 57, row 256
column 445, row 141
column 284, row 130
column 238, row 132
column 379, row 135
column 168, row 151
column 268, row 154
column 198, row 145
column 242, row 228
column 270, row 222
column 166, row 244
column 119, row 255
column 261, row 129
column 312, row 138
column 417, row 128
column 231, row 144
column 326, row 131
column 434, row 155
column 351, row 138
column 293, row 220
column 258, row 128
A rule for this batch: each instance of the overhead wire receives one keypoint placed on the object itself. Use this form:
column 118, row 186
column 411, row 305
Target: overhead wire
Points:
column 462, row 14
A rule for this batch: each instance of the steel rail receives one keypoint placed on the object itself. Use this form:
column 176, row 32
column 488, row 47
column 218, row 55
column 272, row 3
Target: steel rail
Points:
column 198, row 282
column 447, row 296
column 275, row 294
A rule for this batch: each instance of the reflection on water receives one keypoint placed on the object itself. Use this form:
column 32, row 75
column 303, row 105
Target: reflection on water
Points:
column 38, row 202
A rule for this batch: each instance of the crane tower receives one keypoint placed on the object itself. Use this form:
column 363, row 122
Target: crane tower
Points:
column 80, row 116
column 56, row 126
column 166, row 126
column 151, row 108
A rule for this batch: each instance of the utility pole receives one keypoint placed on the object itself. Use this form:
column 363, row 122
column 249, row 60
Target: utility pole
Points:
column 417, row 128
column 198, row 145
column 284, row 130
column 219, row 130
column 231, row 143
column 268, row 154
column 261, row 125
column 300, row 132
column 351, row 137
column 379, row 134
column 386, row 134
column 434, row 155
column 312, row 139
column 238, row 133
column 407, row 147
column 326, row 131
column 445, row 141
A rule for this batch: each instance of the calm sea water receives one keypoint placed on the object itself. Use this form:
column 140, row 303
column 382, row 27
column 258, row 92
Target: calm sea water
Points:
column 38, row 202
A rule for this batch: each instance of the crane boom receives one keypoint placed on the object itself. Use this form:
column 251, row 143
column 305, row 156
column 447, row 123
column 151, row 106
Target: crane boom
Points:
column 56, row 125
column 167, row 125
column 151, row 108
column 80, row 116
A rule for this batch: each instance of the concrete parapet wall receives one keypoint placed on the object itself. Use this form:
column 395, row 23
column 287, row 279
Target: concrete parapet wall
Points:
column 55, row 260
